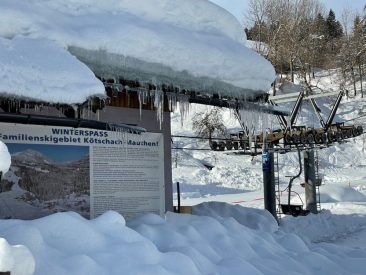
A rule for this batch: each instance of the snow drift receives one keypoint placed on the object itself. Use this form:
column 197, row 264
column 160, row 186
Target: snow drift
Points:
column 16, row 259
column 66, row 243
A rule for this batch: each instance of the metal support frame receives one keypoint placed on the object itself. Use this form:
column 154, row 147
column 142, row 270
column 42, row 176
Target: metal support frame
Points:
column 273, row 100
column 334, row 111
column 296, row 109
column 281, row 119
column 317, row 112
column 293, row 96
column 269, row 183
column 310, row 181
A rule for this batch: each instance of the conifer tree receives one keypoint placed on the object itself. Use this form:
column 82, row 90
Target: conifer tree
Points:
column 333, row 27
column 320, row 25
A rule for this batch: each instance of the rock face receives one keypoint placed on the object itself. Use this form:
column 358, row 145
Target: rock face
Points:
column 49, row 180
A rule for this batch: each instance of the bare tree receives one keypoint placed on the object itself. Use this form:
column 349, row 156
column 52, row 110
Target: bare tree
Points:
column 289, row 29
column 206, row 124
column 256, row 17
column 351, row 58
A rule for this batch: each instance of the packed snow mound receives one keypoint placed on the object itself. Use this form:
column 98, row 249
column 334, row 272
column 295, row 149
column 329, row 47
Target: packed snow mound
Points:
column 324, row 226
column 66, row 243
column 257, row 219
column 41, row 70
column 191, row 41
column 5, row 158
column 337, row 193
column 17, row 259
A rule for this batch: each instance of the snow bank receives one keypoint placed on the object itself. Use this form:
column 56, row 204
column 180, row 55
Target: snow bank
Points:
column 17, row 259
column 338, row 193
column 193, row 38
column 41, row 70
column 225, row 246
column 250, row 217
column 66, row 243
column 323, row 227
column 5, row 158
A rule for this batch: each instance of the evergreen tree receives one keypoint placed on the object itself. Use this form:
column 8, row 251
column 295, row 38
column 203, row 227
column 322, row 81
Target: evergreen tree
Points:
column 258, row 32
column 247, row 33
column 319, row 41
column 333, row 27
column 320, row 25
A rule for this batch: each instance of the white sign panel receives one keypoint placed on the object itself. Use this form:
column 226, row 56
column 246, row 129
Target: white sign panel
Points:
column 83, row 170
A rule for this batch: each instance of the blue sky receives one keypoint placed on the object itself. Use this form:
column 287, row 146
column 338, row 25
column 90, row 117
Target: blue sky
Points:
column 238, row 7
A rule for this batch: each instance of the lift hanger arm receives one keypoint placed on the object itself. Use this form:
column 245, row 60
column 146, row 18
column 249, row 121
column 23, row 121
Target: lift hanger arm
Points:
column 317, row 112
column 334, row 111
column 296, row 108
column 281, row 119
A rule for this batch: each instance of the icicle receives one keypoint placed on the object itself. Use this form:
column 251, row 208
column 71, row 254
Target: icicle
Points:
column 75, row 111
column 251, row 133
column 159, row 105
column 183, row 107
column 87, row 109
column 172, row 101
column 141, row 97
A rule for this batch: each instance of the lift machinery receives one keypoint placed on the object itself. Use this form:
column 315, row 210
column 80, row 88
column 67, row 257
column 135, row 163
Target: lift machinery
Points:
column 291, row 138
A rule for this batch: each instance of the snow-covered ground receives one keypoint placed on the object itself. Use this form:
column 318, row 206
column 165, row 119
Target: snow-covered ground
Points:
column 218, row 239
column 228, row 233
column 233, row 234
column 237, row 179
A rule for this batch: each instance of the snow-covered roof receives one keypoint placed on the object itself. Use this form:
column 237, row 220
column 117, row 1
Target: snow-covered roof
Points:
column 193, row 43
column 40, row 69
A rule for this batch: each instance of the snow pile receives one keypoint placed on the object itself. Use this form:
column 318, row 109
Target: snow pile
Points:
column 39, row 69
column 5, row 158
column 325, row 226
column 257, row 219
column 66, row 243
column 225, row 246
column 17, row 259
column 147, row 39
column 337, row 193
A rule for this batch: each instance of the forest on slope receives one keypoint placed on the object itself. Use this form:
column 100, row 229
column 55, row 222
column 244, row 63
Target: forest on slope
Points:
column 300, row 37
